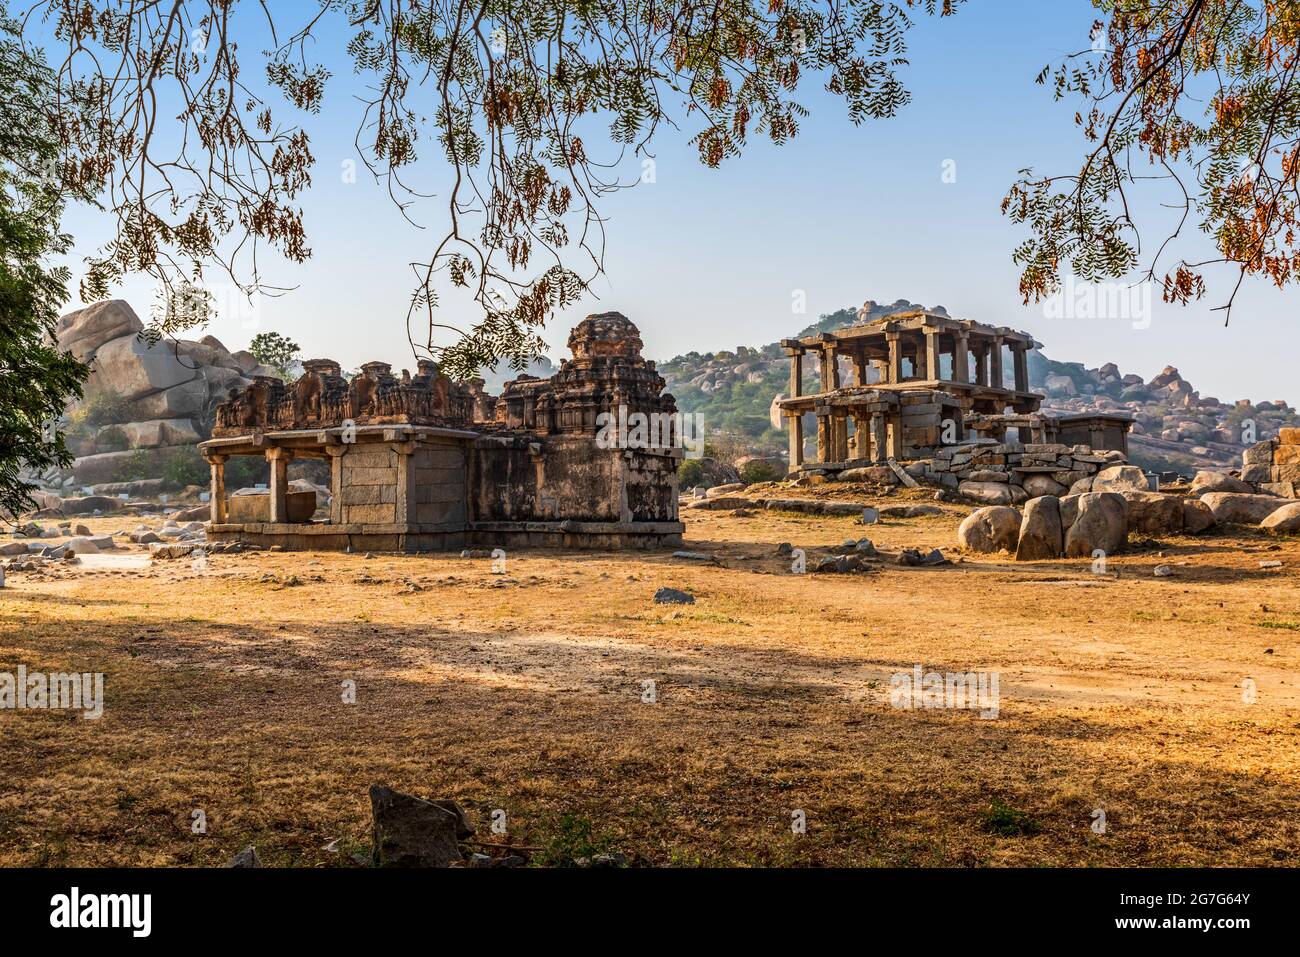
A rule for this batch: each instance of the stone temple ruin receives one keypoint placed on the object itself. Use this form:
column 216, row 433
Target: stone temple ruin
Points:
column 421, row 463
column 930, row 391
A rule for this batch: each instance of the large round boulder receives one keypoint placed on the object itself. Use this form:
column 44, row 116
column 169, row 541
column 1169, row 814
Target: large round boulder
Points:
column 1152, row 513
column 1197, row 516
column 1041, row 536
column 1120, row 478
column 1037, row 485
column 84, row 331
column 1206, row 481
column 1240, row 508
column 1284, row 521
column 994, row 528
column 990, row 493
column 1100, row 523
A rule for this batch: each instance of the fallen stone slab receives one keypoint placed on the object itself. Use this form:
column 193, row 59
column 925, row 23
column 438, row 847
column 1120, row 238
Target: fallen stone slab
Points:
column 694, row 556
column 170, row 550
column 673, row 596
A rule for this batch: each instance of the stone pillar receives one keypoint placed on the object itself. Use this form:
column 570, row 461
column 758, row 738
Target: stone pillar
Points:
column 217, row 487
column 336, row 453
column 824, row 437
column 995, row 363
column 860, row 367
column 796, row 371
column 961, row 356
column 279, row 459
column 895, row 357
column 404, row 510
column 877, row 437
column 841, row 438
column 861, row 436
column 981, row 364
column 796, row 440
column 933, row 369
column 830, row 369
column 1020, row 357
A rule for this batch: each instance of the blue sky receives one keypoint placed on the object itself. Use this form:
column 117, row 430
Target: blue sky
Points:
column 709, row 259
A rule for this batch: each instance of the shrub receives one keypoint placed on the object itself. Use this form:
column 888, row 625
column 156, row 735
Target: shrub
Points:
column 136, row 466
column 690, row 473
column 101, row 407
column 111, row 439
column 184, row 466
column 1001, row 818
column 759, row 471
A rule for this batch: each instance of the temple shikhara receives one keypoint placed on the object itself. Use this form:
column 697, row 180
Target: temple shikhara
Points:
column 921, row 384
column 419, row 462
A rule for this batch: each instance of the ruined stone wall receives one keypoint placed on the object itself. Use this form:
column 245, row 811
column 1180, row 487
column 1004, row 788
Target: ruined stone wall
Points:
column 1274, row 465
column 554, row 478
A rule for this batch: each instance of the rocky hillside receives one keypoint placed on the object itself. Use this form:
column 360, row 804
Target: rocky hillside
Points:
column 146, row 405
column 1175, row 428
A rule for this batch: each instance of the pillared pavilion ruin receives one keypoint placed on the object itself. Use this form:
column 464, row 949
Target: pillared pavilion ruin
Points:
column 919, row 382
column 420, row 463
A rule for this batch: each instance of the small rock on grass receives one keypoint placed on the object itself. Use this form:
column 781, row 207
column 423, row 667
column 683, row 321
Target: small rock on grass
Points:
column 673, row 596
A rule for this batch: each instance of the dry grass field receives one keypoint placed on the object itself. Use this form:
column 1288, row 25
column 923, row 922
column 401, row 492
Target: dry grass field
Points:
column 524, row 692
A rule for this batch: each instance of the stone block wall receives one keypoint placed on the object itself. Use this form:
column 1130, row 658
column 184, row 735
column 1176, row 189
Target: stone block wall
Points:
column 438, row 492
column 368, row 491
column 1273, row 465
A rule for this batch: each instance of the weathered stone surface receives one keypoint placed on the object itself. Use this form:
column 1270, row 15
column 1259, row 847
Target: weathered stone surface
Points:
column 84, row 331
column 1280, row 489
column 89, row 504
column 724, row 489
column 1197, row 516
column 1119, row 478
column 411, row 832
column 1041, row 536
column 130, row 367
column 991, row 493
column 1261, row 453
column 1240, row 508
column 1153, row 513
column 991, row 529
column 879, row 474
column 157, row 432
column 179, row 402
column 1101, row 523
column 170, row 550
column 1217, row 482
column 1081, row 486
column 1040, row 485
column 1256, row 474
column 1283, row 521
column 246, row 858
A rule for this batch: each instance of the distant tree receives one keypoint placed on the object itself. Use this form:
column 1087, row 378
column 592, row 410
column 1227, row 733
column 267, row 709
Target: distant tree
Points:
column 274, row 350
column 36, row 379
column 1202, row 96
column 506, row 93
